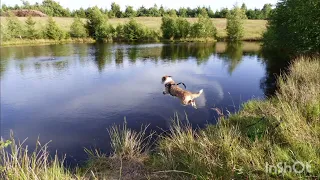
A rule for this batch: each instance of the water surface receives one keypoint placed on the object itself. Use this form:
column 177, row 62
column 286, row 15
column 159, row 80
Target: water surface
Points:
column 72, row 93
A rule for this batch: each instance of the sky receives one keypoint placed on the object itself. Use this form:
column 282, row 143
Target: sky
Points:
column 214, row 4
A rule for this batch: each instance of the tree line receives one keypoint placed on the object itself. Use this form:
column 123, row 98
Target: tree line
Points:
column 96, row 26
column 53, row 8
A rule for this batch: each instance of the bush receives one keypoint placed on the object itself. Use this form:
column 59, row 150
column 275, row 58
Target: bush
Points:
column 204, row 28
column 14, row 27
column 183, row 28
column 97, row 25
column 77, row 29
column 235, row 18
column 31, row 32
column 133, row 31
column 168, row 27
column 4, row 35
column 119, row 34
column 294, row 27
column 53, row 31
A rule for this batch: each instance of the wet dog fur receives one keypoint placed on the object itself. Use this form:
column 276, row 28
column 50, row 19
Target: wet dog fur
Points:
column 186, row 97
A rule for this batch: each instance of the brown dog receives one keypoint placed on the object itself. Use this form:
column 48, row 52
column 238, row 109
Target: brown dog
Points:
column 186, row 97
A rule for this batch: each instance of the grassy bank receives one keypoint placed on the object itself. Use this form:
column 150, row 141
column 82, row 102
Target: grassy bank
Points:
column 253, row 28
column 285, row 128
column 45, row 41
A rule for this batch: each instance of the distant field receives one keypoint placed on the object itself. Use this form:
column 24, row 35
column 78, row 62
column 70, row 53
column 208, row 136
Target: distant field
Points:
column 253, row 28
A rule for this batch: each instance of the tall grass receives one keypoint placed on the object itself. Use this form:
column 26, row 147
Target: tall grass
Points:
column 18, row 163
column 282, row 129
column 130, row 150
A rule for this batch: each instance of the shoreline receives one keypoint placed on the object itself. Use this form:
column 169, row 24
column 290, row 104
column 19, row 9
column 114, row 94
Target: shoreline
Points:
column 25, row 42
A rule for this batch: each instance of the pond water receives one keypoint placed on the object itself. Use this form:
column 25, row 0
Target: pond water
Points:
column 70, row 94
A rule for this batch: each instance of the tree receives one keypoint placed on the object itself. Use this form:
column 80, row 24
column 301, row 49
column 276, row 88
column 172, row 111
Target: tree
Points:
column 244, row 7
column 133, row 31
column 97, row 25
column 162, row 11
column 182, row 12
column 266, row 10
column 130, row 12
column 115, row 8
column 172, row 12
column 235, row 18
column 77, row 29
column 81, row 13
column 203, row 28
column 210, row 12
column 53, row 8
column 294, row 27
column 168, row 27
column 53, row 31
column 31, row 31
column 4, row 35
column 142, row 11
column 14, row 26
column 203, row 12
column 183, row 28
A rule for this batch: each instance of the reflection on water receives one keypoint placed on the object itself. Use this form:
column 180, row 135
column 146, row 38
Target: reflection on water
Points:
column 71, row 93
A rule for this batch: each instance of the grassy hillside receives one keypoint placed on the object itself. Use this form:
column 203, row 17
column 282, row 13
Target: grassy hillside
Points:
column 253, row 28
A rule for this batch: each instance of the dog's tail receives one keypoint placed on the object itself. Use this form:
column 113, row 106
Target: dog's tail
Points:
column 195, row 95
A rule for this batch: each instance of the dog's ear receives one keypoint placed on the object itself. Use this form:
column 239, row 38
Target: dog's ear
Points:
column 169, row 76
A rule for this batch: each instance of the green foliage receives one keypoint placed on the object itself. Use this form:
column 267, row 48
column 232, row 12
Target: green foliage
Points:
column 235, row 20
column 53, row 31
column 133, row 31
column 294, row 27
column 77, row 29
column 115, row 9
column 4, row 34
column 168, row 27
column 130, row 12
column 119, row 34
column 203, row 28
column 53, row 8
column 97, row 25
column 266, row 11
column 81, row 13
column 177, row 28
column 31, row 32
column 14, row 27
column 154, row 11
column 183, row 28
column 182, row 12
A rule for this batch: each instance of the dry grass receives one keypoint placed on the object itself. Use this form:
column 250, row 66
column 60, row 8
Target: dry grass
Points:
column 253, row 28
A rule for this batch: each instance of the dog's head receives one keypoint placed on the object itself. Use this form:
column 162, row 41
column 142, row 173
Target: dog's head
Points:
column 166, row 79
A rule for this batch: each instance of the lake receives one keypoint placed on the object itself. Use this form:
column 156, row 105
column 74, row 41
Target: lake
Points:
column 70, row 94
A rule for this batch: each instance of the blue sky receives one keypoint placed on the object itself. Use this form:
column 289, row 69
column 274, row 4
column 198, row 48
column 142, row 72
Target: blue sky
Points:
column 215, row 4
